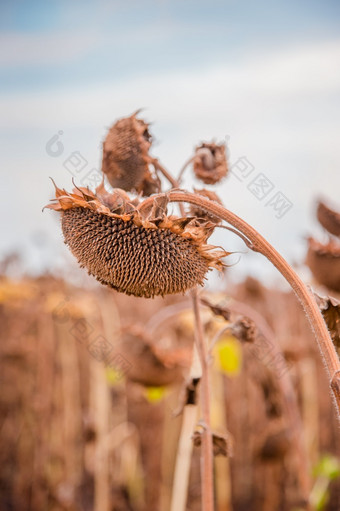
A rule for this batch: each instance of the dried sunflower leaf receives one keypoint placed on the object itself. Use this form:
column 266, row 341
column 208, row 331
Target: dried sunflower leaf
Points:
column 222, row 443
column 324, row 262
column 218, row 310
column 330, row 309
column 328, row 218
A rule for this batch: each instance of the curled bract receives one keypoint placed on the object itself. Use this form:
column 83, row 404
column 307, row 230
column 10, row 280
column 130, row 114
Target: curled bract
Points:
column 138, row 253
column 202, row 213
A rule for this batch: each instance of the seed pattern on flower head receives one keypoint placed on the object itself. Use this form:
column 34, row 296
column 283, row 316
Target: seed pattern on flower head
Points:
column 130, row 253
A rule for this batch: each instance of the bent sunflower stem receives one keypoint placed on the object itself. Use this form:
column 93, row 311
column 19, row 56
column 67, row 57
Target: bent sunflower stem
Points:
column 261, row 245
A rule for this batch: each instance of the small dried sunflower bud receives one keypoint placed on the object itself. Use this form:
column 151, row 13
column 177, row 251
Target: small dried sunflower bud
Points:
column 126, row 156
column 201, row 213
column 134, row 254
column 210, row 162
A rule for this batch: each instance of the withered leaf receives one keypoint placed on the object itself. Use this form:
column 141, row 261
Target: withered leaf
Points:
column 330, row 309
column 328, row 218
column 324, row 262
column 222, row 443
column 218, row 310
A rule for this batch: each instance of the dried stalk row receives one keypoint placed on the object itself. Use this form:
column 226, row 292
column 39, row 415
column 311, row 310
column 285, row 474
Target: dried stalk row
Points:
column 54, row 426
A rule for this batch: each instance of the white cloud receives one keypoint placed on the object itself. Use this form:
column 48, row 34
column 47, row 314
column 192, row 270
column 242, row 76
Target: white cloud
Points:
column 62, row 46
column 195, row 94
column 19, row 49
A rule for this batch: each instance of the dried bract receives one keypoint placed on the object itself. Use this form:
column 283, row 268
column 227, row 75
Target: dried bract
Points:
column 330, row 309
column 210, row 162
column 329, row 219
column 201, row 213
column 218, row 310
column 126, row 156
column 222, row 443
column 324, row 262
column 134, row 253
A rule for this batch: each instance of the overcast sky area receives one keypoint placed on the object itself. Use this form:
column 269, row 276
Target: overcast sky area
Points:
column 263, row 76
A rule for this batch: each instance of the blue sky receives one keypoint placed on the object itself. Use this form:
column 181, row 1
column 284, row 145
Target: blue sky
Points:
column 66, row 43
column 263, row 75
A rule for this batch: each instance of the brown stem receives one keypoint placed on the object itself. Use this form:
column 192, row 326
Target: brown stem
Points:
column 207, row 460
column 166, row 174
column 174, row 182
column 239, row 234
column 207, row 481
column 260, row 244
column 185, row 166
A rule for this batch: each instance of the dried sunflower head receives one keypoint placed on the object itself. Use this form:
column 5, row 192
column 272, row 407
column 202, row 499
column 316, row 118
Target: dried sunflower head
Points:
column 210, row 162
column 134, row 253
column 126, row 156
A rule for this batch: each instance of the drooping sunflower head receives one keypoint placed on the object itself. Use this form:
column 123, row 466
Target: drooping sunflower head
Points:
column 140, row 254
column 126, row 156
